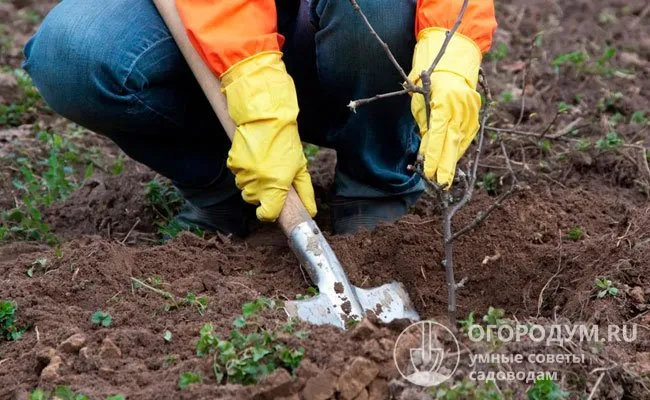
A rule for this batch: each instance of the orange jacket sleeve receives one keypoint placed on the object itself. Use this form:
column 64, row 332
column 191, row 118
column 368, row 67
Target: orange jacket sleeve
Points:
column 479, row 22
column 226, row 32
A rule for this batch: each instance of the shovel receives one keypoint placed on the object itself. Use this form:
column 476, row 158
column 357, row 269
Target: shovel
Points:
column 338, row 302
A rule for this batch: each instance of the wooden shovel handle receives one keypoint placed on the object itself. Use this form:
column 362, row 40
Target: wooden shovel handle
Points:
column 294, row 211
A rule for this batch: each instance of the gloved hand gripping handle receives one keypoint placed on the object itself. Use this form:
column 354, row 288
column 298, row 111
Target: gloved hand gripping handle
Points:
column 339, row 302
column 293, row 212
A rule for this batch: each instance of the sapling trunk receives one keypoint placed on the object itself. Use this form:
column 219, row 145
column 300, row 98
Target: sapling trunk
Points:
column 446, row 201
column 448, row 263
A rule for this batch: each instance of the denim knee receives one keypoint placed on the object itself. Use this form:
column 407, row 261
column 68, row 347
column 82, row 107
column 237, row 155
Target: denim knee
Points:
column 84, row 60
column 347, row 53
column 393, row 21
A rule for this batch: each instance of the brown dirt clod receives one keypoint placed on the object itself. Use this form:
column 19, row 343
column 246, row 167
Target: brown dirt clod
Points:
column 320, row 387
column 356, row 377
column 109, row 350
column 73, row 344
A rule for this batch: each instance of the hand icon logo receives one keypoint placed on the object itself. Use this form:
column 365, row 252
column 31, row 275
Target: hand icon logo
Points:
column 426, row 358
column 426, row 353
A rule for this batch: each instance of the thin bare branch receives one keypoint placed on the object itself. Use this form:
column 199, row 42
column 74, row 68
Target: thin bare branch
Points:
column 593, row 391
column 450, row 33
column 362, row 102
column 523, row 96
column 482, row 216
column 384, row 45
column 540, row 299
column 479, row 148
column 507, row 158
column 548, row 127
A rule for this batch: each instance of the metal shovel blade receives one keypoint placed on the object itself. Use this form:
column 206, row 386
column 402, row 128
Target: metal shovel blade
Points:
column 388, row 302
column 338, row 302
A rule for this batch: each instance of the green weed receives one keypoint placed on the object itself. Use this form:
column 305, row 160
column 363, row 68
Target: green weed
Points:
column 251, row 352
column 190, row 299
column 8, row 328
column 467, row 323
column 544, row 166
column 188, row 378
column 171, row 229
column 607, row 16
column 605, row 287
column 166, row 202
column 583, row 144
column 41, row 183
column 311, row 292
column 38, row 394
column 507, row 97
column 546, row 389
column 544, row 145
column 491, row 321
column 575, row 234
column 38, row 266
column 611, row 141
column 499, row 52
column 32, row 17
column 494, row 316
column 539, row 39
column 639, row 118
column 609, row 103
column 576, row 59
column 15, row 113
column 201, row 302
column 466, row 390
column 165, row 199
column 615, row 119
column 26, row 87
column 65, row 393
column 118, row 165
column 351, row 323
column 155, row 280
column 489, row 183
column 310, row 151
column 581, row 61
column 6, row 42
column 101, row 318
column 169, row 360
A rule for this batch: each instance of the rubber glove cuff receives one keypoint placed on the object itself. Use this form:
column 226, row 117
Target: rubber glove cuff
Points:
column 462, row 56
column 259, row 88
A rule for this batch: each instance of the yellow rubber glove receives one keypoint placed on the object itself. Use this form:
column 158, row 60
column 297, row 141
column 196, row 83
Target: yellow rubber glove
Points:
column 455, row 103
column 266, row 154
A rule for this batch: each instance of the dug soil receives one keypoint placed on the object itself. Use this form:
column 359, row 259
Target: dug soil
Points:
column 522, row 259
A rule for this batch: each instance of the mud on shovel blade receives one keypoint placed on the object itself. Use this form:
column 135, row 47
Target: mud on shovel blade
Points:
column 338, row 301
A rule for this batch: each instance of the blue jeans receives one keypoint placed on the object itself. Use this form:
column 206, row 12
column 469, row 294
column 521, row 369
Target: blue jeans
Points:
column 113, row 67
